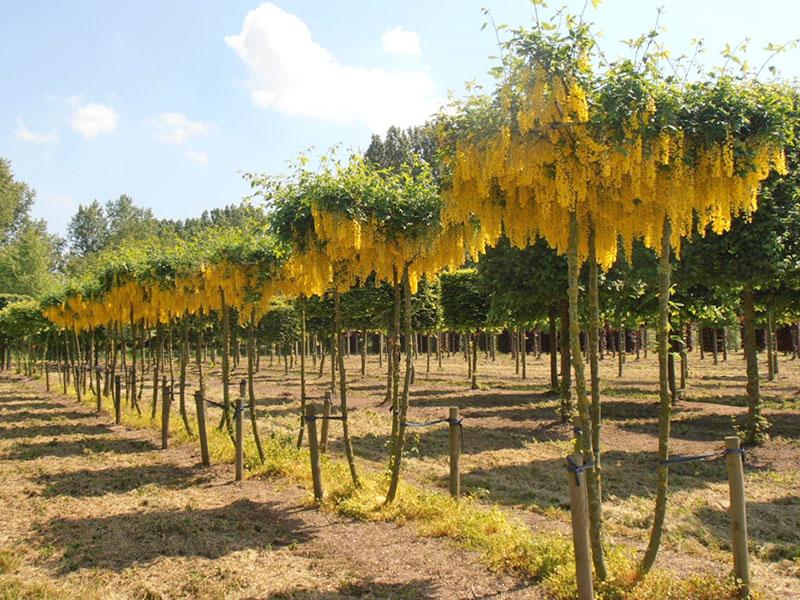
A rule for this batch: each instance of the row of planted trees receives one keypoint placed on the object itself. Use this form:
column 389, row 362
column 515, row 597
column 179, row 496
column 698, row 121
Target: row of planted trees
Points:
column 569, row 177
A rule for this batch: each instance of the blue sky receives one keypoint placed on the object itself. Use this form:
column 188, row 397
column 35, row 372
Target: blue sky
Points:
column 168, row 101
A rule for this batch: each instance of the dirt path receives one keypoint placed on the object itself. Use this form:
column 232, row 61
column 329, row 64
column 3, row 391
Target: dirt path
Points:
column 92, row 510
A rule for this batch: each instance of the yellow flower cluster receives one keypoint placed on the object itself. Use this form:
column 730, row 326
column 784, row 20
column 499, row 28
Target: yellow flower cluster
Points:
column 151, row 303
column 353, row 250
column 527, row 184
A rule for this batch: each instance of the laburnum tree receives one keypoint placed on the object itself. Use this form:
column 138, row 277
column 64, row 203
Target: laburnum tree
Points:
column 465, row 308
column 585, row 157
column 754, row 263
column 528, row 285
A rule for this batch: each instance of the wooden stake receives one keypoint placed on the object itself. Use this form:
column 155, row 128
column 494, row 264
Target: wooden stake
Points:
column 239, row 437
column 455, row 453
column 117, row 400
column 738, row 513
column 200, row 408
column 311, row 426
column 326, row 412
column 580, row 529
column 166, row 402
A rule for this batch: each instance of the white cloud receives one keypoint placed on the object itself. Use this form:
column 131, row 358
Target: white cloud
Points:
column 175, row 128
column 291, row 73
column 26, row 135
column 401, row 41
column 92, row 119
column 198, row 157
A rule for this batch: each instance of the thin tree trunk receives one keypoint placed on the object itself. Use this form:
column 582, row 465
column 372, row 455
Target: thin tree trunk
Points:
column 364, row 352
column 553, row 334
column 595, row 475
column 225, row 420
column 399, row 442
column 474, row 384
column 348, row 445
column 154, row 402
column 251, row 393
column 302, row 372
column 724, row 345
column 565, row 411
column 182, row 372
column 664, row 283
column 756, row 424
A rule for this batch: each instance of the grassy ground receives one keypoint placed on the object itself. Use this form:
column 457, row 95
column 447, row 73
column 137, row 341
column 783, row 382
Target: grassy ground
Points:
column 514, row 450
column 91, row 510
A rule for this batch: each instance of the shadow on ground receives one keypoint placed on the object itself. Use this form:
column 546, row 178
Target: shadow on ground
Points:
column 118, row 480
column 119, row 541
column 63, row 448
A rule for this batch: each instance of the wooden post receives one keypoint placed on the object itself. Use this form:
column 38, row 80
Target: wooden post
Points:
column 200, row 409
column 166, row 402
column 239, row 436
column 455, row 452
column 98, row 391
column 311, row 427
column 243, row 387
column 326, row 412
column 46, row 376
column 580, row 529
column 117, row 400
column 738, row 513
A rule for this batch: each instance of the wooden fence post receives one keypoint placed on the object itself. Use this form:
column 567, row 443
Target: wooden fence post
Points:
column 580, row 526
column 200, row 409
column 98, row 392
column 311, row 428
column 166, row 402
column 239, row 438
column 738, row 514
column 455, row 452
column 117, row 399
column 326, row 412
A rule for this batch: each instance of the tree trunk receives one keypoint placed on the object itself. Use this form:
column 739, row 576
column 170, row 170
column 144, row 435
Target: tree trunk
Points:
column 565, row 410
column 553, row 334
column 594, row 476
column 184, row 361
column 757, row 425
column 664, row 283
column 348, row 445
column 225, row 420
column 302, row 373
column 474, row 384
column 364, row 352
column 403, row 409
column 156, row 366
column 251, row 393
column 724, row 345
